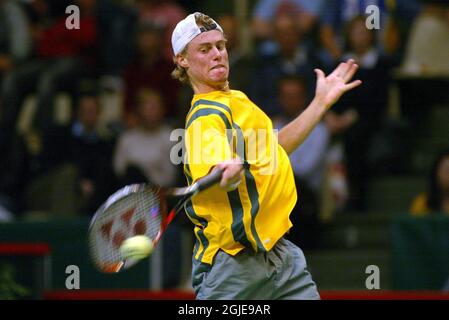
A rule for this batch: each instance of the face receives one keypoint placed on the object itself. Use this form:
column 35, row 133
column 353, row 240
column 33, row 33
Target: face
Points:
column 151, row 111
column 149, row 42
column 292, row 96
column 360, row 37
column 89, row 112
column 443, row 174
column 287, row 35
column 206, row 59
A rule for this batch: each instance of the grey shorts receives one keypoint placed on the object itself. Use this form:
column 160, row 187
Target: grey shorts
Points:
column 280, row 273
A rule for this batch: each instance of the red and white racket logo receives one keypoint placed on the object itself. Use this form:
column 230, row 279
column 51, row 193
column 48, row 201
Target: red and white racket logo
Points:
column 124, row 226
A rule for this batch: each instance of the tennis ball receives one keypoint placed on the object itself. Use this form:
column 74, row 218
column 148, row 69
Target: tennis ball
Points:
column 137, row 247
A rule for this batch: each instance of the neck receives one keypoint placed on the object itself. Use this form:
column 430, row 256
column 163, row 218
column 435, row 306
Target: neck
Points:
column 200, row 88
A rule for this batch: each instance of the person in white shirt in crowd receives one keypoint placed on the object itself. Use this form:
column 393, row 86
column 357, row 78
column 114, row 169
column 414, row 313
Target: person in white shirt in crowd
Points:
column 143, row 153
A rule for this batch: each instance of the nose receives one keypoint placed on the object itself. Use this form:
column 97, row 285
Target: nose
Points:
column 216, row 53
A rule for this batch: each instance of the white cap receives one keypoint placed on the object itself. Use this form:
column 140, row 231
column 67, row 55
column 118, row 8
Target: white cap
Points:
column 186, row 30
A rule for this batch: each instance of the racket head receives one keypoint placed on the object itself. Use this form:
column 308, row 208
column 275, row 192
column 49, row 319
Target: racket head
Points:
column 133, row 210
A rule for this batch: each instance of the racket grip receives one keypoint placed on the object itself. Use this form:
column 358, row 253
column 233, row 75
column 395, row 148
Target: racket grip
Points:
column 209, row 180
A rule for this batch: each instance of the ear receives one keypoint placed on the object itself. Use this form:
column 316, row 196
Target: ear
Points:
column 181, row 61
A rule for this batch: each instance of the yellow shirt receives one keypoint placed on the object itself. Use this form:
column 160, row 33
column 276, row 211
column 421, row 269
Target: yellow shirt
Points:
column 219, row 126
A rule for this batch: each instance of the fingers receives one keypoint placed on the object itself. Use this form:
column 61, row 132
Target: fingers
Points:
column 350, row 72
column 231, row 181
column 232, row 174
column 346, row 70
column 352, row 85
column 231, row 177
column 319, row 74
column 338, row 70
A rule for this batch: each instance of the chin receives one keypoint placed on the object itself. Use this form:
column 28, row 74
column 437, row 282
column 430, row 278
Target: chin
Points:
column 219, row 77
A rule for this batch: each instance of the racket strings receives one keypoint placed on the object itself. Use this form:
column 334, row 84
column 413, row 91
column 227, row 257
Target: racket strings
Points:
column 138, row 213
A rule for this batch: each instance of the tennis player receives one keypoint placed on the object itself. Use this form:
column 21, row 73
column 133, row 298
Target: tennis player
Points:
column 240, row 250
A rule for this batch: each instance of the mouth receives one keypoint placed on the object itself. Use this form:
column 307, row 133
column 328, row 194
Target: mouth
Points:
column 218, row 66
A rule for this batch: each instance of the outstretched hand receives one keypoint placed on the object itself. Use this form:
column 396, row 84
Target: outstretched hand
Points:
column 329, row 89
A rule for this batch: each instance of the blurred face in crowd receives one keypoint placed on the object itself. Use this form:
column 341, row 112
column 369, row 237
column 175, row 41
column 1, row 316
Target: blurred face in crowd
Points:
column 150, row 110
column 149, row 42
column 292, row 96
column 443, row 174
column 360, row 38
column 230, row 28
column 206, row 61
column 286, row 34
column 89, row 112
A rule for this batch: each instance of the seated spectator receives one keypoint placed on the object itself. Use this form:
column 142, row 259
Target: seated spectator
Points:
column 165, row 13
column 142, row 153
column 335, row 17
column 305, row 14
column 15, row 37
column 337, row 14
column 370, row 103
column 429, row 31
column 288, row 56
column 116, row 22
column 76, row 173
column 15, row 48
column 149, row 69
column 63, row 56
column 436, row 199
column 424, row 72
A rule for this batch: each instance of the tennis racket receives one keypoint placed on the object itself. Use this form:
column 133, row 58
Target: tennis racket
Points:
column 136, row 209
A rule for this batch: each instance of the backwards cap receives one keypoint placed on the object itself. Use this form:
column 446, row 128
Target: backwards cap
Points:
column 186, row 30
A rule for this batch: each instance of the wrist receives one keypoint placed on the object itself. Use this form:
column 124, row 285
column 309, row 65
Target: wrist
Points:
column 319, row 105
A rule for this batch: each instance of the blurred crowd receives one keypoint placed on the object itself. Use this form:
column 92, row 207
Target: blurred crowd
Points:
column 68, row 169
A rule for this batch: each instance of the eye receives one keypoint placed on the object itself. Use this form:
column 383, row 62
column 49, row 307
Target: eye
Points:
column 203, row 50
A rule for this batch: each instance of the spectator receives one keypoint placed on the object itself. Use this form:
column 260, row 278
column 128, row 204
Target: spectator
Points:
column 143, row 153
column 370, row 103
column 289, row 56
column 338, row 13
column 63, row 56
column 429, row 31
column 15, row 37
column 305, row 14
column 116, row 22
column 15, row 48
column 149, row 69
column 165, row 13
column 436, row 199
column 423, row 74
column 75, row 165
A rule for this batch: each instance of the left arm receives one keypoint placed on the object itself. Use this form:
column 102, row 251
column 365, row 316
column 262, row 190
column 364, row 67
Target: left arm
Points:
column 328, row 90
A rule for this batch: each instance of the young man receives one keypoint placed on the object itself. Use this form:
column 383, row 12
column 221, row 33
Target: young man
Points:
column 240, row 251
